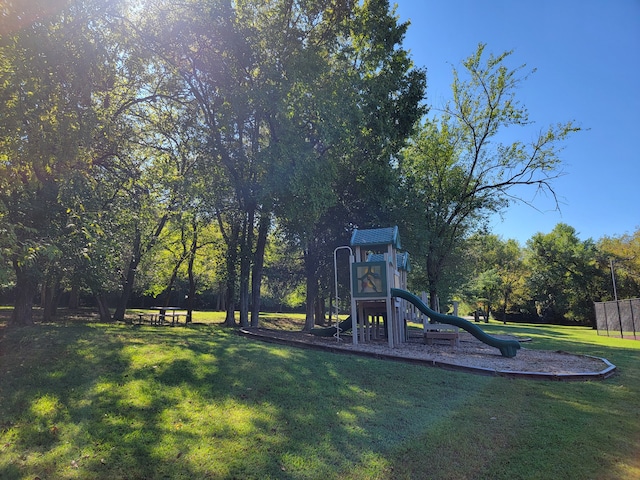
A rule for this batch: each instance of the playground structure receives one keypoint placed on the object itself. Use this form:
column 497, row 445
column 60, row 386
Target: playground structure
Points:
column 375, row 270
column 380, row 304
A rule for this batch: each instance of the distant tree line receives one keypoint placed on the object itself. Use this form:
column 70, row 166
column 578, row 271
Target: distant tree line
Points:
column 554, row 278
column 224, row 150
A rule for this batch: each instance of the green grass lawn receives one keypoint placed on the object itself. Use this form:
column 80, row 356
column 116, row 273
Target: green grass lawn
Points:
column 86, row 400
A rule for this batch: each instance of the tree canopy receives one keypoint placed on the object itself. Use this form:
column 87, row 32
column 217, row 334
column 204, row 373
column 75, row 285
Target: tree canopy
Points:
column 227, row 148
column 232, row 114
column 456, row 171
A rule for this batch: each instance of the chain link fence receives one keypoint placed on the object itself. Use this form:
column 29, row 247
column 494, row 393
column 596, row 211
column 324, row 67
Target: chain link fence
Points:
column 619, row 319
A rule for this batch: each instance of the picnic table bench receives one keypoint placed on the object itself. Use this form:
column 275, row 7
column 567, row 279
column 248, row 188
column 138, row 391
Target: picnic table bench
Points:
column 165, row 316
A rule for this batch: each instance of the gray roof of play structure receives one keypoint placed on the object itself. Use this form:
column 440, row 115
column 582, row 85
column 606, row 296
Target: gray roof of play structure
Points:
column 376, row 237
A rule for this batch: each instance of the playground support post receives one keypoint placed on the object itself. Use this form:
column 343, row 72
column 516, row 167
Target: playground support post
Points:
column 391, row 328
column 335, row 272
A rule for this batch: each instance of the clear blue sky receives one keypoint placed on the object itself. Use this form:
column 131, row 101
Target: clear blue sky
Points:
column 587, row 56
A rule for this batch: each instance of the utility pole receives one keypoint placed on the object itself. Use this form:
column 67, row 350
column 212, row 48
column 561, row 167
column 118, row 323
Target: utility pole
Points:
column 613, row 279
column 615, row 296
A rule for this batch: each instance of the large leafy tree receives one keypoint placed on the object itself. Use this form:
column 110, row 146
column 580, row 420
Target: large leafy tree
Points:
column 361, row 101
column 288, row 94
column 284, row 273
column 188, row 258
column 163, row 152
column 456, row 172
column 497, row 272
column 116, row 122
column 248, row 66
column 432, row 181
column 622, row 256
column 374, row 101
column 114, row 156
column 564, row 277
column 52, row 68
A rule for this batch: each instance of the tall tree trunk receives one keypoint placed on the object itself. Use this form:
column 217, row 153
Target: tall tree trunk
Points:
column 172, row 282
column 312, row 294
column 433, row 277
column 504, row 311
column 191, row 296
column 232, row 277
column 50, row 298
column 231, row 235
column 221, row 304
column 130, row 278
column 103, row 308
column 26, row 288
column 311, row 268
column 136, row 256
column 258, row 267
column 246, row 247
column 319, row 310
column 74, row 297
column 433, row 298
column 229, row 298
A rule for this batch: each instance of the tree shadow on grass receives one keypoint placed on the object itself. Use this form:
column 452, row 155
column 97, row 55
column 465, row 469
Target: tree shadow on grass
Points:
column 116, row 402
column 60, row 402
column 313, row 411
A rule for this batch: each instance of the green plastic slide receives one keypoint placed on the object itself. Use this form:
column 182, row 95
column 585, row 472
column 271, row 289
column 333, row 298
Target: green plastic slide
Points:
column 508, row 348
column 331, row 331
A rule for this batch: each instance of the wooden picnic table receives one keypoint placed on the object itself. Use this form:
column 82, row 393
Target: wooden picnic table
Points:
column 165, row 313
column 164, row 316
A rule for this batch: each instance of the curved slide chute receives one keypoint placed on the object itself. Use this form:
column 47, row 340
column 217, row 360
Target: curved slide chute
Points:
column 508, row 348
column 331, row 331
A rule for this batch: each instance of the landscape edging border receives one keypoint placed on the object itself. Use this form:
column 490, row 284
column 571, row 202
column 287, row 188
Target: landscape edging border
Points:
column 609, row 371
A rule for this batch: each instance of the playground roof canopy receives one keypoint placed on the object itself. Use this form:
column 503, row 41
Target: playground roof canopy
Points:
column 376, row 237
column 402, row 259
